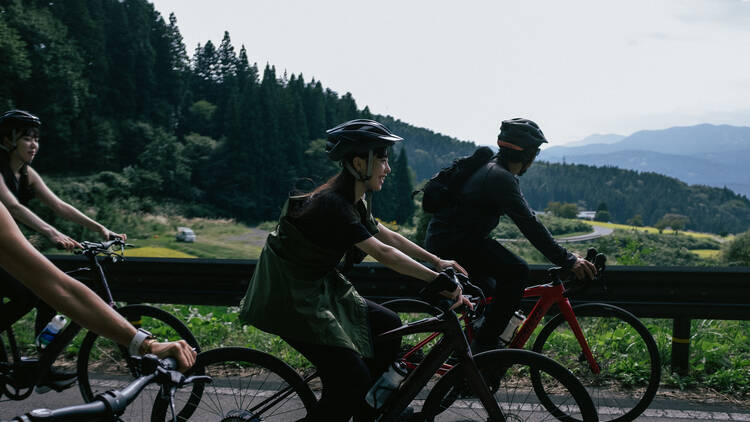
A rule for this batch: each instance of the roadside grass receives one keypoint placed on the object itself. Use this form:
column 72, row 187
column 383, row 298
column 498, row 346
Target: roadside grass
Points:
column 719, row 350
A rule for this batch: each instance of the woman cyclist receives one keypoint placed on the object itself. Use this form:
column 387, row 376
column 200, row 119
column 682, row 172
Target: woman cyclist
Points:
column 297, row 292
column 19, row 144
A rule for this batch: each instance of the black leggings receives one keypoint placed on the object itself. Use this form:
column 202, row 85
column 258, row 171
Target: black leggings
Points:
column 346, row 376
column 17, row 301
column 498, row 272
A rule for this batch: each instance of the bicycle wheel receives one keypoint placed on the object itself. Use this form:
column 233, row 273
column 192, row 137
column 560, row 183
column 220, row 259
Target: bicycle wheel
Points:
column 630, row 367
column 103, row 365
column 248, row 385
column 508, row 375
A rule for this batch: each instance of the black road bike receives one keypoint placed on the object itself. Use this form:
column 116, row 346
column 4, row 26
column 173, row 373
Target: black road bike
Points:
column 101, row 363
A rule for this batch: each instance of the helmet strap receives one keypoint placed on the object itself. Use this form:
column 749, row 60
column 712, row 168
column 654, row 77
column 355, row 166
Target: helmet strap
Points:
column 14, row 137
column 356, row 174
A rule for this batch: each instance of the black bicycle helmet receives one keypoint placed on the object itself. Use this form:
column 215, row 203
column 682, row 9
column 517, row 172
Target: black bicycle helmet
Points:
column 14, row 119
column 357, row 137
column 14, row 124
column 520, row 135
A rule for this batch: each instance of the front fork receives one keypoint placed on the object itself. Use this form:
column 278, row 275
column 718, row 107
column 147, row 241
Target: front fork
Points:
column 547, row 298
column 567, row 310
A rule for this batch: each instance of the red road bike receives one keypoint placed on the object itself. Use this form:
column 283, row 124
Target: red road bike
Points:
column 606, row 347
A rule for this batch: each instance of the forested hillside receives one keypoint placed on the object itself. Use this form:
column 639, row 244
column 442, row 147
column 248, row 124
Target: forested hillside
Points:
column 627, row 193
column 117, row 91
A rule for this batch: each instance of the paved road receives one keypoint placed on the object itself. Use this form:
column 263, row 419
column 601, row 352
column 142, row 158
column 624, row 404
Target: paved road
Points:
column 599, row 231
column 662, row 410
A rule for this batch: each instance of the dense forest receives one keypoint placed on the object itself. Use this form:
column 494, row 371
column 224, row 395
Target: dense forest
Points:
column 126, row 108
column 117, row 91
column 627, row 193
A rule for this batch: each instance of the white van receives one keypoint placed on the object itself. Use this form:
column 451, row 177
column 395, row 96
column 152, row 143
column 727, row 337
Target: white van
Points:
column 185, row 234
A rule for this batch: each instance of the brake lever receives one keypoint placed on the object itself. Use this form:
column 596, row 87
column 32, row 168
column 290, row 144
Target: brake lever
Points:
column 197, row 378
column 600, row 262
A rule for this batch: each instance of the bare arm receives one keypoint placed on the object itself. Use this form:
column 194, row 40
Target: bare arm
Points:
column 395, row 259
column 398, row 261
column 64, row 209
column 68, row 295
column 26, row 216
column 410, row 248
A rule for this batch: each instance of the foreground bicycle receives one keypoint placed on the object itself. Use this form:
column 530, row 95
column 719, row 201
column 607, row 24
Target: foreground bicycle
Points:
column 103, row 364
column 606, row 347
column 498, row 385
column 112, row 404
column 96, row 355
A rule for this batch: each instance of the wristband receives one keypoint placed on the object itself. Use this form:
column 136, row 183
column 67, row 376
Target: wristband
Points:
column 140, row 336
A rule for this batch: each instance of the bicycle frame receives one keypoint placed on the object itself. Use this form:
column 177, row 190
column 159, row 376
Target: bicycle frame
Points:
column 63, row 339
column 453, row 341
column 548, row 294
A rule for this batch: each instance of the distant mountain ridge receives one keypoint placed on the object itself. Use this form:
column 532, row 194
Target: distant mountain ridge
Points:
column 608, row 138
column 705, row 154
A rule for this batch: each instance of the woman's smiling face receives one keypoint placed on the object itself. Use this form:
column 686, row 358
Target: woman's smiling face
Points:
column 380, row 169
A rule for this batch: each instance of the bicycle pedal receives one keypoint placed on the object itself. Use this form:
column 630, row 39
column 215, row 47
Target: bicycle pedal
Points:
column 58, row 386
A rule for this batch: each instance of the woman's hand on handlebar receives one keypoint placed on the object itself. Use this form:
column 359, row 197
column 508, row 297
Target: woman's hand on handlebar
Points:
column 444, row 264
column 110, row 235
column 63, row 241
column 583, row 269
column 180, row 350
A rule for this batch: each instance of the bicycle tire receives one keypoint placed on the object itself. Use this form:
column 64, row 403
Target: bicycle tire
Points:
column 625, row 386
column 96, row 352
column 247, row 385
column 507, row 373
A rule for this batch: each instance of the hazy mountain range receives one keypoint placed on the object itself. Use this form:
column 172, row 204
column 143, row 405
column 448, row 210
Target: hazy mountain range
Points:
column 704, row 154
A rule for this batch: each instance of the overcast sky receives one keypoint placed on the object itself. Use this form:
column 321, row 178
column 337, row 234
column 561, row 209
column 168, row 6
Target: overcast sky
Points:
column 460, row 67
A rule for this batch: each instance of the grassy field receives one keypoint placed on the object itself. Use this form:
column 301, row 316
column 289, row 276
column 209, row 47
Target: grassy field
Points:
column 706, row 253
column 158, row 252
column 214, row 239
column 647, row 229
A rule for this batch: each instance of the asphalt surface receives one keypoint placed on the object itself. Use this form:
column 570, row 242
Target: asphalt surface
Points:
column 599, row 231
column 663, row 409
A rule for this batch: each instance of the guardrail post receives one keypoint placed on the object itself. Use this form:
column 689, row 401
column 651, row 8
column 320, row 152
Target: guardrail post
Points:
column 681, row 346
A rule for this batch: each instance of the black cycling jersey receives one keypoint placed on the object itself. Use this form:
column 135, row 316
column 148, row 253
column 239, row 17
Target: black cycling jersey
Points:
column 20, row 188
column 332, row 222
column 491, row 192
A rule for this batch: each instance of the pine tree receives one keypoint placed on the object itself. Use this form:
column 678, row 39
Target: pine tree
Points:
column 402, row 179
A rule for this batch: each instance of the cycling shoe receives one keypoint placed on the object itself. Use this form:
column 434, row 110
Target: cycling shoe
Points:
column 58, row 380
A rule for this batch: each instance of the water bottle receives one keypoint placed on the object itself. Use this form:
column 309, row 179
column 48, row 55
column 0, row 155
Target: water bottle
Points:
column 510, row 330
column 386, row 385
column 50, row 331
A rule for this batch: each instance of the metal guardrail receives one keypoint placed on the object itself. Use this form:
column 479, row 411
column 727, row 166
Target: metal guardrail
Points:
column 678, row 293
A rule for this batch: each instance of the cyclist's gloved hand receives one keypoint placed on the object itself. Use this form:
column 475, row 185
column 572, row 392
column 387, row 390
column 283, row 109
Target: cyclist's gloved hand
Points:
column 583, row 269
column 468, row 288
column 445, row 286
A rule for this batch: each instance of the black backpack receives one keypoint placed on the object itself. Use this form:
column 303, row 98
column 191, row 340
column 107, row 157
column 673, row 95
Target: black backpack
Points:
column 442, row 190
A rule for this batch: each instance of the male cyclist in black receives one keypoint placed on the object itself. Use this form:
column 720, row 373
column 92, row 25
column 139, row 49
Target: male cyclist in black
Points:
column 463, row 232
